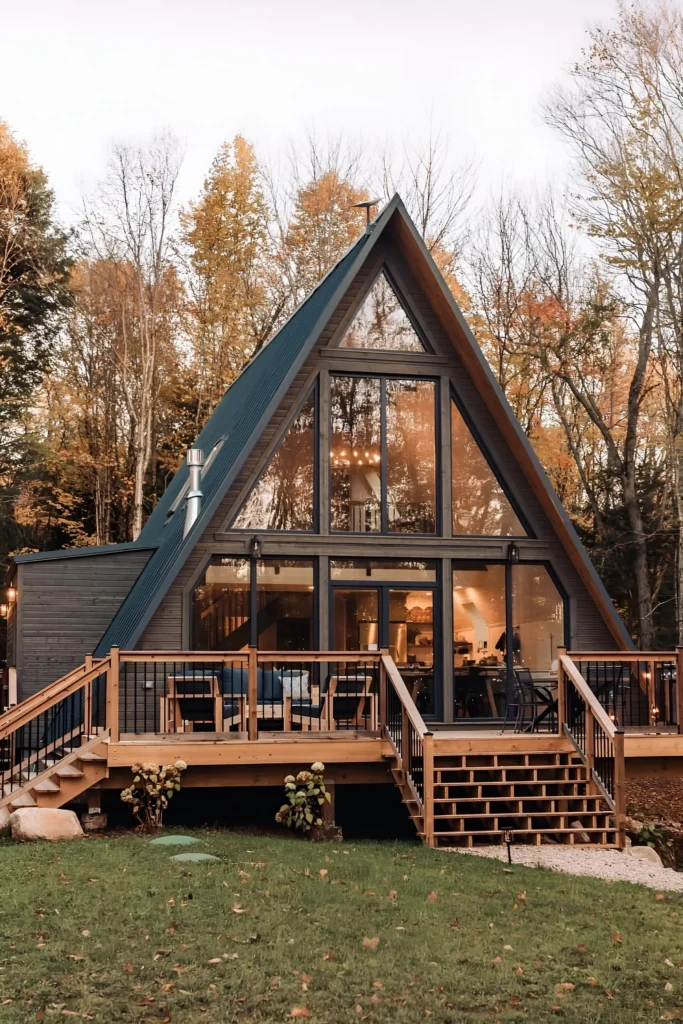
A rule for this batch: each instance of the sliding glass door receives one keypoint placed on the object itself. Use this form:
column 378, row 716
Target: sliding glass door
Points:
column 508, row 619
column 387, row 603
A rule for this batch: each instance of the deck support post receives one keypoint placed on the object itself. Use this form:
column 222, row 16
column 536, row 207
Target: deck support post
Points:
column 620, row 788
column 329, row 805
column 679, row 688
column 653, row 710
column 112, row 719
column 428, row 775
column 252, row 693
column 561, row 692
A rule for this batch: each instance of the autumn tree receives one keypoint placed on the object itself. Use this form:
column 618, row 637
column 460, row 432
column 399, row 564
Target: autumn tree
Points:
column 33, row 294
column 234, row 297
column 128, row 223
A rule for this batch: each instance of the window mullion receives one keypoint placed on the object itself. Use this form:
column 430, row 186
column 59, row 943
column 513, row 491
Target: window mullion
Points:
column 383, row 451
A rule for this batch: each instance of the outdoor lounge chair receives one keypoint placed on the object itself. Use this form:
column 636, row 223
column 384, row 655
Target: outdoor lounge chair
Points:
column 346, row 702
column 532, row 706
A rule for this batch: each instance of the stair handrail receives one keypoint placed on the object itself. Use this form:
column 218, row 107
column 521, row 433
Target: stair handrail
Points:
column 44, row 699
column 411, row 741
column 599, row 741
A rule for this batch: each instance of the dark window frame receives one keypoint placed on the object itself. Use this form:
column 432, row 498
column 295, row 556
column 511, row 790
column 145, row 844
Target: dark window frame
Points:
column 491, row 463
column 253, row 587
column 438, row 481
column 314, row 390
column 421, row 334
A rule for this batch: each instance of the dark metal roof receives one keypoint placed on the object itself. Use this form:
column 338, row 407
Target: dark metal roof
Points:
column 238, row 420
column 85, row 552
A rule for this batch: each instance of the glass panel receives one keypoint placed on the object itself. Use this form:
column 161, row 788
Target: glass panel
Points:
column 479, row 665
column 538, row 615
column 411, row 643
column 356, row 620
column 284, row 594
column 479, row 502
column 383, row 570
column 220, row 607
column 355, row 454
column 411, row 456
column 283, row 497
column 382, row 323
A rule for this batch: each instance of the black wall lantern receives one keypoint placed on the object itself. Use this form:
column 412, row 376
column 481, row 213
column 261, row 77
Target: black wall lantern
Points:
column 513, row 553
column 255, row 547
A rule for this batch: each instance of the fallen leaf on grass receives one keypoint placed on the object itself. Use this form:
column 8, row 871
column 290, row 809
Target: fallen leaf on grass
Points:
column 323, row 874
column 564, row 986
column 85, row 933
column 368, row 892
column 616, row 938
column 128, row 968
column 370, row 943
column 668, row 987
column 74, row 956
column 299, row 1011
column 659, row 896
column 377, row 984
column 592, row 981
column 432, row 896
column 328, row 956
column 172, row 928
column 237, row 908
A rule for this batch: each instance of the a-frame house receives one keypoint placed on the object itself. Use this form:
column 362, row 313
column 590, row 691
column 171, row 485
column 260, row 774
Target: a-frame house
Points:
column 361, row 544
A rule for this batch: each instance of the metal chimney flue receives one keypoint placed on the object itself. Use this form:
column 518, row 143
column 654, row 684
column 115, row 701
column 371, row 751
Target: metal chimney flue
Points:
column 193, row 504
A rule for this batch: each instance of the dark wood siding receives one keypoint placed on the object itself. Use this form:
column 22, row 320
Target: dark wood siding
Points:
column 65, row 605
column 168, row 628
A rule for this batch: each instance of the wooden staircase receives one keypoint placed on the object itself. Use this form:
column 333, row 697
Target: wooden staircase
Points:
column 541, row 797
column 62, row 779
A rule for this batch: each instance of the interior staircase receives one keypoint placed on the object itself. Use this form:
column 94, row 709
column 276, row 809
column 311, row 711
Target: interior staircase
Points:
column 57, row 778
column 539, row 797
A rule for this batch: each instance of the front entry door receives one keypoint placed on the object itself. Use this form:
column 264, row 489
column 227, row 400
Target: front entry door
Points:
column 366, row 618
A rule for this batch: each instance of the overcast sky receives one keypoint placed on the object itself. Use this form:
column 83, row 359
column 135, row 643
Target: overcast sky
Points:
column 76, row 73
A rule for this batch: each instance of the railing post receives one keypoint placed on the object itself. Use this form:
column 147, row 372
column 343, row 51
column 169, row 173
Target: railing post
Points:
column 679, row 688
column 428, row 787
column 620, row 787
column 653, row 710
column 405, row 738
column 384, row 652
column 561, row 692
column 252, row 694
column 112, row 719
column 590, row 742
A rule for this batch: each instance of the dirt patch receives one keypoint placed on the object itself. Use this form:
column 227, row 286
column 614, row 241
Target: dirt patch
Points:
column 659, row 800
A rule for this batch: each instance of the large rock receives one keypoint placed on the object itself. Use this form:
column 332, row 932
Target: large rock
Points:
column 4, row 822
column 29, row 823
column 645, row 853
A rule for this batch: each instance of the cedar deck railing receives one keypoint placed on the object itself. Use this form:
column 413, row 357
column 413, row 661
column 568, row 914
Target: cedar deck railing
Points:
column 637, row 689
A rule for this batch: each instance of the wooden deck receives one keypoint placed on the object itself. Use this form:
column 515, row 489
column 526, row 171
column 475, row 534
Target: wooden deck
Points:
column 461, row 785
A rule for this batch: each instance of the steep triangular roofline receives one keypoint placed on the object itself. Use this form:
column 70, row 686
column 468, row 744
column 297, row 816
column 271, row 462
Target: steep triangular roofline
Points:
column 248, row 405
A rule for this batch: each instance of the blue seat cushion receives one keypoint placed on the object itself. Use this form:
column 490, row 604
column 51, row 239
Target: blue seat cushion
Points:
column 234, row 681
column 307, row 708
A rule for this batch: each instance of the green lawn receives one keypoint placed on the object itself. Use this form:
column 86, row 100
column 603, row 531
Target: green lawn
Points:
column 112, row 930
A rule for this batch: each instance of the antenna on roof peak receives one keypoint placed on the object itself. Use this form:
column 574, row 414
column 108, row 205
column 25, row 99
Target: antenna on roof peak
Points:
column 367, row 206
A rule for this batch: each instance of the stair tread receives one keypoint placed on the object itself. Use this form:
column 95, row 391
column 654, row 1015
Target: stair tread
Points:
column 90, row 755
column 23, row 800
column 69, row 771
column 46, row 786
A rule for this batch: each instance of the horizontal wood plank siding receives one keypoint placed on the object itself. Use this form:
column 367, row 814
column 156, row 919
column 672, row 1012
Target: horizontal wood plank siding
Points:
column 66, row 605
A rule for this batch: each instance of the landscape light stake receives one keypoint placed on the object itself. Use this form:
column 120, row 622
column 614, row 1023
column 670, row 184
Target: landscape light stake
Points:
column 507, row 839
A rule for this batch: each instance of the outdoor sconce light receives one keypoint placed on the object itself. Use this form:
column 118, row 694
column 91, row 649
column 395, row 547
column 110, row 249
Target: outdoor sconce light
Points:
column 513, row 553
column 255, row 547
column 11, row 594
column 507, row 839
column 4, row 609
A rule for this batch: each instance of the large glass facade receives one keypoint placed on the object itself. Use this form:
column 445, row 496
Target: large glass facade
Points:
column 382, row 323
column 486, row 652
column 356, row 454
column 480, row 506
column 281, row 594
column 376, row 420
column 479, row 641
column 538, row 616
column 411, row 456
column 284, row 494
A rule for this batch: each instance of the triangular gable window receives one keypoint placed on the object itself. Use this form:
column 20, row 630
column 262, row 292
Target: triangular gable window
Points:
column 480, row 505
column 282, row 498
column 382, row 323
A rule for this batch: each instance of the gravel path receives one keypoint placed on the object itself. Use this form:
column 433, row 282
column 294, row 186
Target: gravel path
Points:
column 608, row 864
